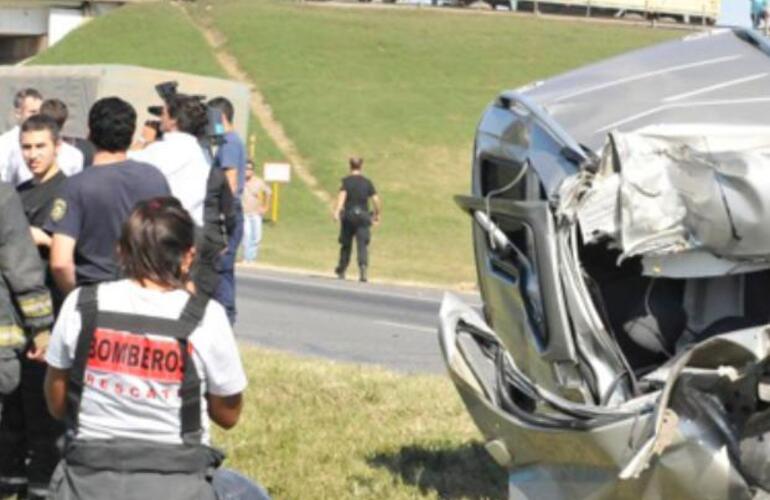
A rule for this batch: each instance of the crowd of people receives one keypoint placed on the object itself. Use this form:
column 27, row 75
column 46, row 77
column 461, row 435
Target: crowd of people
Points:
column 118, row 299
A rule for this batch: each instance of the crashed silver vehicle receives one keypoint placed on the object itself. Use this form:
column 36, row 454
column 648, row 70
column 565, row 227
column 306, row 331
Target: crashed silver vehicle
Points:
column 621, row 225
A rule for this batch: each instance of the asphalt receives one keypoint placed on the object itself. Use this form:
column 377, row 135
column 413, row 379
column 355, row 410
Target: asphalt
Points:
column 391, row 326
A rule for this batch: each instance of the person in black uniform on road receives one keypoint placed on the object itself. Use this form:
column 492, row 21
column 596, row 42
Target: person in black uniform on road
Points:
column 352, row 211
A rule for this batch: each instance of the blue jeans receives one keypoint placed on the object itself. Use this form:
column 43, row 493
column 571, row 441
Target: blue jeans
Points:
column 225, row 293
column 252, row 236
column 230, row 485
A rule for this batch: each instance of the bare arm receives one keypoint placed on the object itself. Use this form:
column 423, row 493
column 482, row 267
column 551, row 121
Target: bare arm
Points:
column 56, row 381
column 63, row 262
column 225, row 410
column 340, row 203
column 377, row 208
column 267, row 201
column 40, row 237
column 232, row 178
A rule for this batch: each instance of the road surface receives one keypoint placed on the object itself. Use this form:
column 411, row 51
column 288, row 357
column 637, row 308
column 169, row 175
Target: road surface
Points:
column 385, row 325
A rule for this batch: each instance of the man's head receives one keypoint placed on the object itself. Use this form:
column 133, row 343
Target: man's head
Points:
column 111, row 124
column 56, row 109
column 224, row 106
column 184, row 113
column 356, row 164
column 40, row 144
column 26, row 103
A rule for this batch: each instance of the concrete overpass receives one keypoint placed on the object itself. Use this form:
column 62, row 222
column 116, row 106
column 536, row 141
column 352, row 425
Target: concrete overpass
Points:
column 29, row 26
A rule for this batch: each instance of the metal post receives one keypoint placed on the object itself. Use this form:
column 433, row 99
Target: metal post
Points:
column 274, row 211
column 252, row 146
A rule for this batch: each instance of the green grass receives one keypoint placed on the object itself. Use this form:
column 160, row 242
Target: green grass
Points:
column 404, row 88
column 151, row 35
column 317, row 429
column 160, row 36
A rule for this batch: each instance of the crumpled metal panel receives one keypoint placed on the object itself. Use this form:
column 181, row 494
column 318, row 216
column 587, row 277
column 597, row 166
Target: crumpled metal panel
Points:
column 699, row 435
column 695, row 187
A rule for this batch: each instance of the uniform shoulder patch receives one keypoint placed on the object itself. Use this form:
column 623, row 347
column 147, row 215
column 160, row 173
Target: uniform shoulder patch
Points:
column 59, row 209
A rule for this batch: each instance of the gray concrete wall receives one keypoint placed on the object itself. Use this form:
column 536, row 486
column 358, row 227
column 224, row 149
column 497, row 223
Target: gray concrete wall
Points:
column 81, row 86
column 16, row 21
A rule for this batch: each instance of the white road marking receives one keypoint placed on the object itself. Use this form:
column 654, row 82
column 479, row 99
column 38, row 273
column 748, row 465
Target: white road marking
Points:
column 649, row 74
column 407, row 326
column 712, row 88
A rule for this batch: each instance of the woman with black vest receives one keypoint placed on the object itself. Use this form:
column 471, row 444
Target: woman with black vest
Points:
column 138, row 366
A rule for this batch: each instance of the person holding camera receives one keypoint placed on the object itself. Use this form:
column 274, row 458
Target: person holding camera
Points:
column 179, row 155
column 352, row 211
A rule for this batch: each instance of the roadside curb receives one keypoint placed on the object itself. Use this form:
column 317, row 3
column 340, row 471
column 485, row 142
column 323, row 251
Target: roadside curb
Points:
column 464, row 287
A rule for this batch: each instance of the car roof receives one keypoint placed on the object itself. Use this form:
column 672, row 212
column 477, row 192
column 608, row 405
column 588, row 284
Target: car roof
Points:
column 719, row 77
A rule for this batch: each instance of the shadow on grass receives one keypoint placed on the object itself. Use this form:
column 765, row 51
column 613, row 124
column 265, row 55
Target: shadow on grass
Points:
column 452, row 472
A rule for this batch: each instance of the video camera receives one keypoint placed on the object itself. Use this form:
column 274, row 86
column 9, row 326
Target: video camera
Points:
column 213, row 134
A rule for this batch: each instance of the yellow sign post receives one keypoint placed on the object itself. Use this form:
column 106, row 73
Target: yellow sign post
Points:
column 274, row 208
column 252, row 146
column 276, row 174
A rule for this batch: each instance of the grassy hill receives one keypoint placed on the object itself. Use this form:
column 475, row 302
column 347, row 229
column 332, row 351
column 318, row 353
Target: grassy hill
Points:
column 403, row 88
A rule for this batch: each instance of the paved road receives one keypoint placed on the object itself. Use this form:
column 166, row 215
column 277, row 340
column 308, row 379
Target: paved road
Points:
column 342, row 320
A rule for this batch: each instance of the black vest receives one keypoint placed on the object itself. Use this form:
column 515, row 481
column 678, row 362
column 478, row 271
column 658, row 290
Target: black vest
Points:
column 127, row 455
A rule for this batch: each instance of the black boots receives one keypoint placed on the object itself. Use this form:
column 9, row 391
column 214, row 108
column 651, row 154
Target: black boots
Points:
column 361, row 274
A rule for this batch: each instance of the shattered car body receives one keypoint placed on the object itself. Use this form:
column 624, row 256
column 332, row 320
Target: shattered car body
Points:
column 621, row 227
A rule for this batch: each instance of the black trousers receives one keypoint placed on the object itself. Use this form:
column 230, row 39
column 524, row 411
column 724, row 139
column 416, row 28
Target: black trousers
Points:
column 28, row 433
column 360, row 231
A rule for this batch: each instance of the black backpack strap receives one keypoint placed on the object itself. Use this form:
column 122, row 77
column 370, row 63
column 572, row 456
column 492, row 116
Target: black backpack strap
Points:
column 88, row 307
column 190, row 392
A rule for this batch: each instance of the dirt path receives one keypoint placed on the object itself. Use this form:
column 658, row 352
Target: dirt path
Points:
column 261, row 108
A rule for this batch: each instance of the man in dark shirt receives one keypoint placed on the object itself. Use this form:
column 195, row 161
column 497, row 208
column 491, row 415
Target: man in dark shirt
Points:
column 86, row 218
column 40, row 141
column 231, row 159
column 352, row 210
column 28, row 433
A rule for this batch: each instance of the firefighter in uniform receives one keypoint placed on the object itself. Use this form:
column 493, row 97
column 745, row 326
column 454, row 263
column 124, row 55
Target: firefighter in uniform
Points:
column 26, row 315
column 135, row 367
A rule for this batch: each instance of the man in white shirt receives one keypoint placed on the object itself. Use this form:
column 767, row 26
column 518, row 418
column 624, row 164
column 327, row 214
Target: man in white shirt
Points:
column 26, row 103
column 13, row 168
column 179, row 155
column 70, row 159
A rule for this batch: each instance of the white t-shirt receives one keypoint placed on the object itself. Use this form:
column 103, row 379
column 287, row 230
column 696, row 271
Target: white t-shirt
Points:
column 180, row 157
column 13, row 168
column 127, row 399
column 9, row 152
